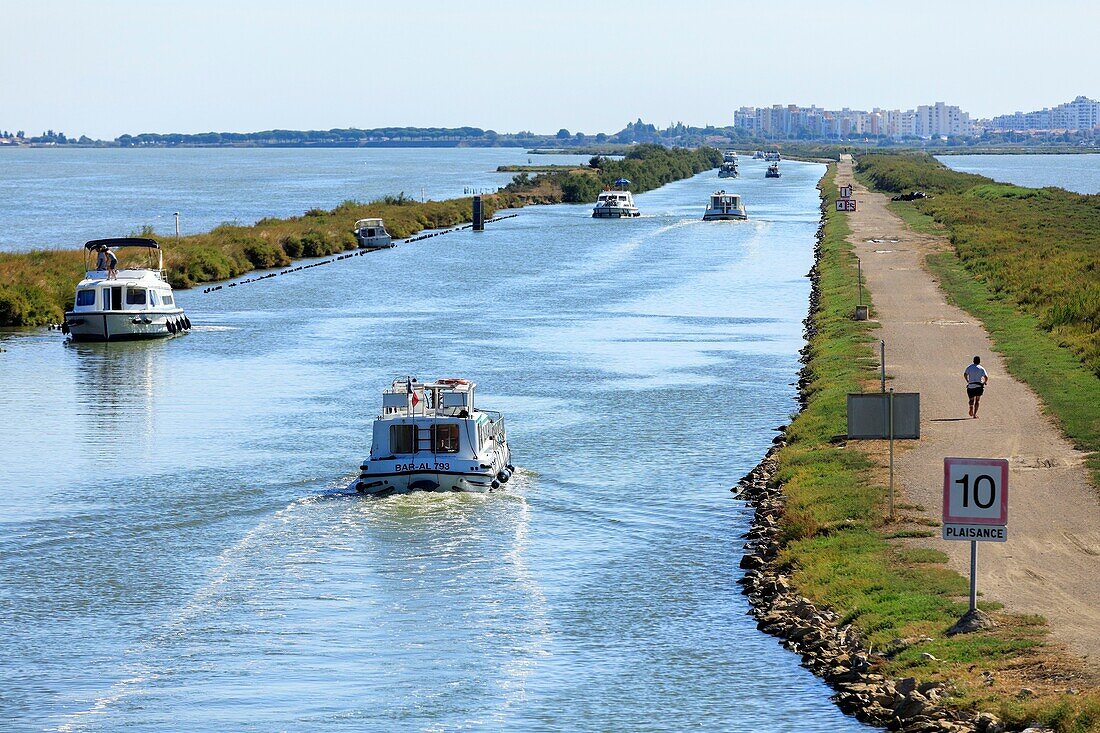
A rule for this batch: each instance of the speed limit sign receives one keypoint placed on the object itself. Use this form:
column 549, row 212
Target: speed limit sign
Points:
column 975, row 499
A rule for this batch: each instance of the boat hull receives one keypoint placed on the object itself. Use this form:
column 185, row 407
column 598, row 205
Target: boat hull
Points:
column 128, row 326
column 724, row 217
column 614, row 213
column 404, row 476
column 375, row 242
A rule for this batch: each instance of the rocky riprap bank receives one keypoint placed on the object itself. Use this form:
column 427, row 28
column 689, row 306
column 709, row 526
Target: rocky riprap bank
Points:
column 832, row 651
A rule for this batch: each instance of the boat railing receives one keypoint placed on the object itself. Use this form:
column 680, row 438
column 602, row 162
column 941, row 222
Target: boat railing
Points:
column 125, row 274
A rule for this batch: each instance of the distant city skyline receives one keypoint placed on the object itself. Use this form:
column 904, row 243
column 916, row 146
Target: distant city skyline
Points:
column 123, row 66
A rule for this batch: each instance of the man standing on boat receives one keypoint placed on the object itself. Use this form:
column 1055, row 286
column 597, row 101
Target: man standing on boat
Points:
column 976, row 378
column 112, row 263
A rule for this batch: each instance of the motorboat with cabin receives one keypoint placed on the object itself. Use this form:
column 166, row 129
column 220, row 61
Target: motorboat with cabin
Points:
column 773, row 171
column 124, row 304
column 728, row 169
column 615, row 203
column 730, row 156
column 772, row 156
column 372, row 234
column 758, row 155
column 431, row 436
column 724, row 206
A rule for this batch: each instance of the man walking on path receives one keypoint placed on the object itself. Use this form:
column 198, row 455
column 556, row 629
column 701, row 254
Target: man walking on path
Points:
column 976, row 377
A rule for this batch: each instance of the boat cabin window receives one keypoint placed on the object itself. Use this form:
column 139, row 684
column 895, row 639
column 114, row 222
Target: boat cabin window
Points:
column 152, row 297
column 445, row 438
column 403, row 438
column 135, row 296
column 370, row 232
column 166, row 299
column 85, row 297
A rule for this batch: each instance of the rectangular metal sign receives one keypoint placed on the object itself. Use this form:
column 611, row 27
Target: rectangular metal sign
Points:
column 975, row 491
column 851, row 204
column 841, row 205
column 976, row 532
column 869, row 416
column 846, row 192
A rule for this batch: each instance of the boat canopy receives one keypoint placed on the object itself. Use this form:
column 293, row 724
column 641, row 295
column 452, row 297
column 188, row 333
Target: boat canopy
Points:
column 122, row 242
column 368, row 223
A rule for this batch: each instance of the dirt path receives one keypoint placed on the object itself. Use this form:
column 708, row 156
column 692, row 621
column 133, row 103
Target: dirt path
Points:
column 1051, row 562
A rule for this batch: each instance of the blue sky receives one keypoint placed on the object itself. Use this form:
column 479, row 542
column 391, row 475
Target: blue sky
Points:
column 106, row 68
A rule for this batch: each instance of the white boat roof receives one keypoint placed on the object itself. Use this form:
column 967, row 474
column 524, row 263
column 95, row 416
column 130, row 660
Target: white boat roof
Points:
column 449, row 397
column 139, row 276
column 368, row 223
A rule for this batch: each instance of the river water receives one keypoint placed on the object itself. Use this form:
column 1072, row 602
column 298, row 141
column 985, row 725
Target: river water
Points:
column 178, row 553
column 1080, row 173
column 62, row 197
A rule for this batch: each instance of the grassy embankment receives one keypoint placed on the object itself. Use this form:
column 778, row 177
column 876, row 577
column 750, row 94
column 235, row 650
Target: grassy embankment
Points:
column 841, row 551
column 37, row 287
column 1026, row 262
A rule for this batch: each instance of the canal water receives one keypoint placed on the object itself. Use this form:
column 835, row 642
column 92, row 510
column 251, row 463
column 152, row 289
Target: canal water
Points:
column 62, row 197
column 178, row 552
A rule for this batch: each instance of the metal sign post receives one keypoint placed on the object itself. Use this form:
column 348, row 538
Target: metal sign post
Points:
column 891, row 421
column 975, row 506
column 884, row 416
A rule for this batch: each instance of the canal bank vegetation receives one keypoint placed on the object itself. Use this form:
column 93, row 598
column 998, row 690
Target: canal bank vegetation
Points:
column 840, row 551
column 646, row 166
column 36, row 288
column 1026, row 262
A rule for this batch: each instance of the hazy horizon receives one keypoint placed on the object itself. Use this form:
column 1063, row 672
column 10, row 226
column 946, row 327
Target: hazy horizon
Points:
column 132, row 67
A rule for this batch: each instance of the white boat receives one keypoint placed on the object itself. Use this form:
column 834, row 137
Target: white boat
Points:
column 730, row 156
column 432, row 437
column 131, row 303
column 772, row 156
column 615, row 203
column 728, row 170
column 372, row 234
column 773, row 171
column 723, row 206
column 758, row 155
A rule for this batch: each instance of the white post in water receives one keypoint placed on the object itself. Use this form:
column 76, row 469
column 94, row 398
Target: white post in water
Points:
column 177, row 215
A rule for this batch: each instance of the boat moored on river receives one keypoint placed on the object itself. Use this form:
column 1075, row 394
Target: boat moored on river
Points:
column 724, row 206
column 772, row 156
column 728, row 170
column 432, row 437
column 615, row 203
column 372, row 234
column 123, row 304
column 773, row 171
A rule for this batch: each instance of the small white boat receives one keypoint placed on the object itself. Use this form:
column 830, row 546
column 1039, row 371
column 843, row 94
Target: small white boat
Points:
column 372, row 234
column 724, row 206
column 132, row 303
column 773, row 171
column 431, row 437
column 758, row 155
column 772, row 156
column 730, row 156
column 615, row 203
column 728, row 170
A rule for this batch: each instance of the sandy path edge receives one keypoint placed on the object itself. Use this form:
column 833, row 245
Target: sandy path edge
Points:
column 1051, row 562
